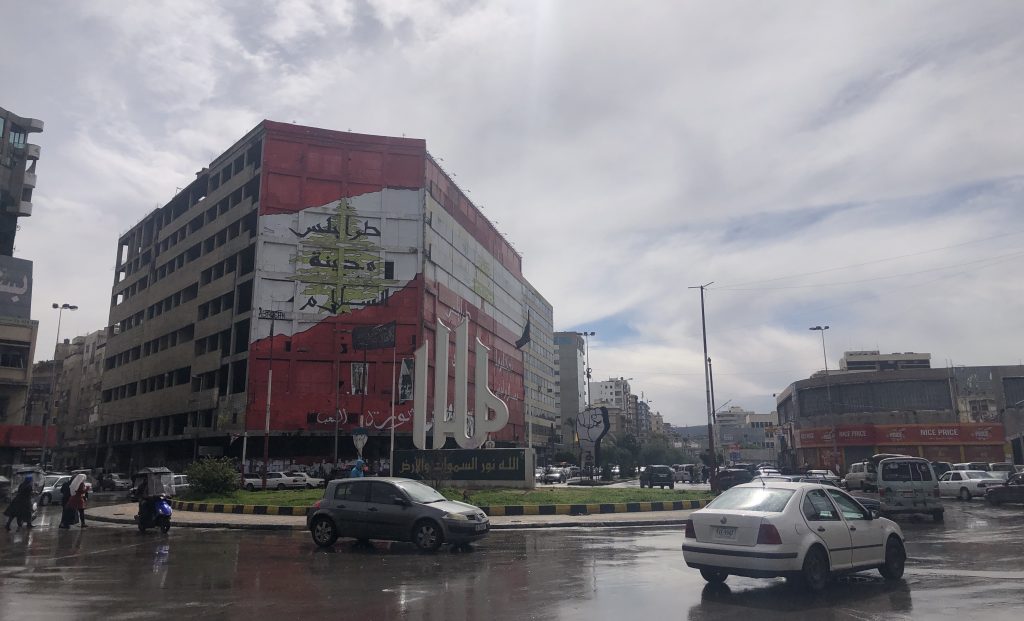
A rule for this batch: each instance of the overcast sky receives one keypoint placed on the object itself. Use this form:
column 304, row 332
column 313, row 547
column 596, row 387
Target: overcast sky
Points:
column 853, row 164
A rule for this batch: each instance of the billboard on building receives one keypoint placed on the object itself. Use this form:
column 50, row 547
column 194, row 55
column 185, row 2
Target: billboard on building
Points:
column 15, row 288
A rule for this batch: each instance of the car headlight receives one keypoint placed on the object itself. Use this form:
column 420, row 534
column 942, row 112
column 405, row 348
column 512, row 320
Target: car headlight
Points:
column 458, row 517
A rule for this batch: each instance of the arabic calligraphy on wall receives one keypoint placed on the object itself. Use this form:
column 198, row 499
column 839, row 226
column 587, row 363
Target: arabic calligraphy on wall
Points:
column 339, row 262
column 462, row 465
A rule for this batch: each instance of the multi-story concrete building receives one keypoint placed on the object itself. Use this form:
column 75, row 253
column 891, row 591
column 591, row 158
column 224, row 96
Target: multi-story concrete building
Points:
column 746, row 436
column 322, row 259
column 955, row 415
column 543, row 420
column 18, row 159
column 617, row 393
column 570, row 382
column 875, row 361
column 77, row 399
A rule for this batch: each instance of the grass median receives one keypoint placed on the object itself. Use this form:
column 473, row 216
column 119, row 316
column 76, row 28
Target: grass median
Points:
column 482, row 497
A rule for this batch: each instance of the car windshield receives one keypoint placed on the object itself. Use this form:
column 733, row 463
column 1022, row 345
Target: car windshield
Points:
column 752, row 499
column 978, row 475
column 49, row 481
column 419, row 492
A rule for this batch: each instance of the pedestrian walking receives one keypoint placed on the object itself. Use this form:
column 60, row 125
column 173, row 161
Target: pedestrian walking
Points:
column 77, row 502
column 357, row 470
column 68, row 514
column 20, row 508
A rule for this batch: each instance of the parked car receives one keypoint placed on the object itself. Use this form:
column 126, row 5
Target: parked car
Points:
column 1002, row 466
column 681, row 475
column 729, row 477
column 311, row 482
column 907, row 485
column 767, row 472
column 114, row 482
column 861, row 476
column 275, row 480
column 660, row 475
column 973, row 465
column 1012, row 490
column 818, row 480
column 828, row 474
column 51, row 488
column 966, row 484
column 181, row 484
column 801, row 531
column 941, row 467
column 396, row 510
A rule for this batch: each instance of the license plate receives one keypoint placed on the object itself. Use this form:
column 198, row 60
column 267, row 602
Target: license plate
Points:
column 725, row 532
column 481, row 527
column 908, row 494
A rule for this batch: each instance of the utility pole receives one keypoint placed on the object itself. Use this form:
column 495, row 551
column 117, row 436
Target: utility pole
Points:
column 272, row 315
column 707, row 389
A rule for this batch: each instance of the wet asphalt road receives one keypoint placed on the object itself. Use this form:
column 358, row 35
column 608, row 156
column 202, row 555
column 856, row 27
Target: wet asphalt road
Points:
column 968, row 567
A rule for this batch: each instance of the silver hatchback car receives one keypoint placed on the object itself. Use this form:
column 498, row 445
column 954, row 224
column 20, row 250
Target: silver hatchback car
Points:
column 393, row 509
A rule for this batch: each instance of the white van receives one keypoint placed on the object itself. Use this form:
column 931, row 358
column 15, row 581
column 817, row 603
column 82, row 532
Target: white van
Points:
column 861, row 477
column 907, row 485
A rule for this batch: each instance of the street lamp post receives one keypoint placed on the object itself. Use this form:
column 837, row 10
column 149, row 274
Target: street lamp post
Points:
column 586, row 337
column 707, row 388
column 828, row 395
column 53, row 380
column 272, row 315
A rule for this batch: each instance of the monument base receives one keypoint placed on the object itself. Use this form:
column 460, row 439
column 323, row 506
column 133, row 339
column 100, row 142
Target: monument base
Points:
column 469, row 468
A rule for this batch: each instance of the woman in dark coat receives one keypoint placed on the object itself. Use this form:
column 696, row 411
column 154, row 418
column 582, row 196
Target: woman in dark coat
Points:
column 21, row 506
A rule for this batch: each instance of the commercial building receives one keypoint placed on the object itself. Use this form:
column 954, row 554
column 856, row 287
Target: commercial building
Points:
column 953, row 415
column 543, row 420
column 875, row 361
column 19, row 441
column 319, row 258
column 570, row 383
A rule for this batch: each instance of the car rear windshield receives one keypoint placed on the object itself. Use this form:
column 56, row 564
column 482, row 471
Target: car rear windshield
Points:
column 767, row 499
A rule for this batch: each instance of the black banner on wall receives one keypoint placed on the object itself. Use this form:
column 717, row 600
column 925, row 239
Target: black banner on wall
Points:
column 462, row 465
column 374, row 337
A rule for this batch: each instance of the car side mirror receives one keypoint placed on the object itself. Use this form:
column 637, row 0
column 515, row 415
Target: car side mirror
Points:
column 874, row 514
column 402, row 501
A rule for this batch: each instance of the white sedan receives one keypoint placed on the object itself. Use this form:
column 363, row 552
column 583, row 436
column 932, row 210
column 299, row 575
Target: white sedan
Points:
column 802, row 531
column 966, row 484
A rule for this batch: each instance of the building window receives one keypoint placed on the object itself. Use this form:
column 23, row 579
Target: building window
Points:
column 17, row 138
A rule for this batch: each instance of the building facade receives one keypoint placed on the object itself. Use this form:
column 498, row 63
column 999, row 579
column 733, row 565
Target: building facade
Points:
column 19, row 441
column 317, row 258
column 543, row 420
column 570, row 383
column 746, row 436
column 77, row 399
column 957, row 414
column 875, row 361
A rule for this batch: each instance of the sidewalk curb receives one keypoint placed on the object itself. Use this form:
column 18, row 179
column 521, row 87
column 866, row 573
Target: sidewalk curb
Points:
column 514, row 526
column 495, row 511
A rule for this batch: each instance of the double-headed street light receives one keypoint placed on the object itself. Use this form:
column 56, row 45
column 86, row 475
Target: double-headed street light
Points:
column 828, row 395
column 60, row 308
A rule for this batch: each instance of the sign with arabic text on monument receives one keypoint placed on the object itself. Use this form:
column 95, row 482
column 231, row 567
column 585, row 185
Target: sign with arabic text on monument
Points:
column 462, row 465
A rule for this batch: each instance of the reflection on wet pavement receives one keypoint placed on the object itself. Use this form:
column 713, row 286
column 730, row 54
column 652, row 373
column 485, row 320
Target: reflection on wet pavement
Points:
column 964, row 568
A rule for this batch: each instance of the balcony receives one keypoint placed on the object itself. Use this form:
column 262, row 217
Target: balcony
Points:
column 24, row 208
column 32, row 151
column 34, row 125
column 29, row 180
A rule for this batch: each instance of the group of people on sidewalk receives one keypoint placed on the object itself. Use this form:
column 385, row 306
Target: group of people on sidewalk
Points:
column 21, row 507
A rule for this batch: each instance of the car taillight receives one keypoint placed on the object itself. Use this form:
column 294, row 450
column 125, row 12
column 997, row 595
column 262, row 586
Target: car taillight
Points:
column 768, row 534
column 316, row 505
column 690, row 532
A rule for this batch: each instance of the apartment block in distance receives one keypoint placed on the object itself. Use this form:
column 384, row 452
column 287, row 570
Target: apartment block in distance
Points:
column 325, row 257
column 19, row 440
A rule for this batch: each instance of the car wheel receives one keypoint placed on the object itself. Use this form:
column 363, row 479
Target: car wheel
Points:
column 325, row 533
column 938, row 515
column 309, row 486
column 44, row 500
column 671, row 485
column 714, row 576
column 965, row 494
column 280, row 486
column 165, row 524
column 250, row 486
column 426, row 534
column 895, row 559
column 815, row 570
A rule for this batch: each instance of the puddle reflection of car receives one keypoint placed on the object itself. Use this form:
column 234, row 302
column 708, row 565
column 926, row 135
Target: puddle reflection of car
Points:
column 396, row 510
column 805, row 532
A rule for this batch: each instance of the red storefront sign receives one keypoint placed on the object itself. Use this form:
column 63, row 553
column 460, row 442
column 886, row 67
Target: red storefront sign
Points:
column 872, row 435
column 26, row 436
